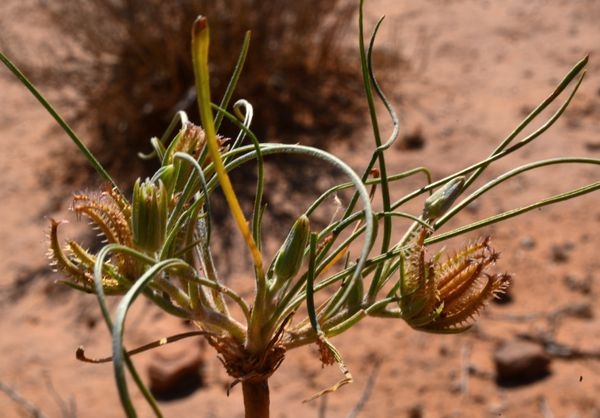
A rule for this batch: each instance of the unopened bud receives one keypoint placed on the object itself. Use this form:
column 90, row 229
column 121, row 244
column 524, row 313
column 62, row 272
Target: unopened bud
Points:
column 168, row 175
column 440, row 201
column 149, row 215
column 289, row 258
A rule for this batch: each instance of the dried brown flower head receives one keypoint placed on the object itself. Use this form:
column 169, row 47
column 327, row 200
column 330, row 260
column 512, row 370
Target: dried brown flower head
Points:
column 445, row 297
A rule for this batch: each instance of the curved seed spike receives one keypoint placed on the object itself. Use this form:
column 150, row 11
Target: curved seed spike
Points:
column 58, row 257
column 456, row 316
column 78, row 266
column 107, row 213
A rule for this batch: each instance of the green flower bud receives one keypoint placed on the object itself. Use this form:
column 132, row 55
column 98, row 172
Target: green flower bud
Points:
column 168, row 175
column 289, row 258
column 149, row 215
column 440, row 201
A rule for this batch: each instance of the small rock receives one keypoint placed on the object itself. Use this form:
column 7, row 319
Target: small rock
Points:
column 578, row 284
column 496, row 409
column 580, row 310
column 174, row 374
column 413, row 140
column 593, row 145
column 415, row 411
column 527, row 243
column 520, row 362
column 560, row 253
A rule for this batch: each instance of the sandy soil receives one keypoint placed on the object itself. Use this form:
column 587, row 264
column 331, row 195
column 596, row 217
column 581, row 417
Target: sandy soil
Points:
column 473, row 71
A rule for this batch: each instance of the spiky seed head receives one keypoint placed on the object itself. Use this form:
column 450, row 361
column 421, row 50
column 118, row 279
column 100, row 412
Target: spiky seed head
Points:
column 189, row 140
column 77, row 264
column 445, row 297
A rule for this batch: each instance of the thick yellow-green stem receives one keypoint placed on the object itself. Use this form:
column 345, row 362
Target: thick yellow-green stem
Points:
column 256, row 394
column 200, row 44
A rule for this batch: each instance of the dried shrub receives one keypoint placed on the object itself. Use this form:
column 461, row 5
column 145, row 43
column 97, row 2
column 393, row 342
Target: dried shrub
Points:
column 127, row 65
